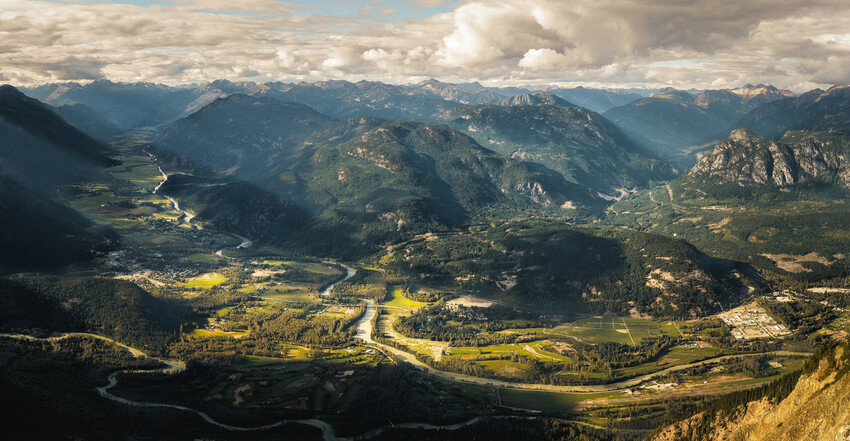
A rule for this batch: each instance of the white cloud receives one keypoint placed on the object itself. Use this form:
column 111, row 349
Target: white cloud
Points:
column 793, row 43
column 543, row 60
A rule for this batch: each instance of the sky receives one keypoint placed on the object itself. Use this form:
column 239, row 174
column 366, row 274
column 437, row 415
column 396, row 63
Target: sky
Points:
column 702, row 44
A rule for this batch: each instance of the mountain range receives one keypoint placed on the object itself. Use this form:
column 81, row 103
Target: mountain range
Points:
column 39, row 155
column 655, row 214
column 325, row 156
column 816, row 110
column 397, row 173
column 543, row 129
column 671, row 121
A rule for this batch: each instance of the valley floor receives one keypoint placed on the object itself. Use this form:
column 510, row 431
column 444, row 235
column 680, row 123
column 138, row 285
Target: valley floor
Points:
column 276, row 338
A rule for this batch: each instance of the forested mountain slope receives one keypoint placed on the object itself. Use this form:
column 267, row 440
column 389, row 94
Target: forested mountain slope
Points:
column 580, row 144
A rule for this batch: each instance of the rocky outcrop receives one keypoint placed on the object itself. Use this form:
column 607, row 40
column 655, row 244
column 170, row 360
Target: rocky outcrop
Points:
column 750, row 161
column 817, row 409
column 535, row 99
column 747, row 159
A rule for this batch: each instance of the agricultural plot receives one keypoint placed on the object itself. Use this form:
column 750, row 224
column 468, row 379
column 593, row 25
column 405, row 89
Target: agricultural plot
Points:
column 396, row 298
column 310, row 267
column 203, row 258
column 623, row 330
column 287, row 293
column 673, row 357
column 140, row 170
column 217, row 333
column 204, row 281
column 505, row 368
column 548, row 401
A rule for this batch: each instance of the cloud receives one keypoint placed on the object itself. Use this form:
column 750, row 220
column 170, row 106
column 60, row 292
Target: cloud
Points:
column 791, row 43
column 543, row 60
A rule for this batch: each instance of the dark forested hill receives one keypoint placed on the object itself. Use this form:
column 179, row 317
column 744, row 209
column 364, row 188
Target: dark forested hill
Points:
column 38, row 148
column 567, row 270
column 40, row 153
column 109, row 307
column 39, row 233
column 245, row 135
column 403, row 176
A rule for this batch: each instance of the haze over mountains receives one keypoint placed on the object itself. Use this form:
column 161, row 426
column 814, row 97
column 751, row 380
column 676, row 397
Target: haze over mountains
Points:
column 329, row 156
column 544, row 129
column 332, row 151
column 670, row 121
column 648, row 139
column 397, row 173
column 39, row 154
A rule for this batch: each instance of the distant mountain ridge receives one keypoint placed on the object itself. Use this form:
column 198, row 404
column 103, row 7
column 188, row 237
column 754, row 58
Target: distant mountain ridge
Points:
column 816, row 110
column 455, row 93
column 669, row 121
column 598, row 100
column 123, row 105
column 534, row 99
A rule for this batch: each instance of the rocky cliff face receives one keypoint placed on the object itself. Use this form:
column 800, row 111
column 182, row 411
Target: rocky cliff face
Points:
column 747, row 160
column 760, row 94
column 818, row 409
column 750, row 161
column 535, row 99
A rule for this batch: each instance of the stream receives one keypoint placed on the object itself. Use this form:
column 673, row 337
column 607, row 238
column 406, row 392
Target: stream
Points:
column 245, row 243
column 174, row 367
column 364, row 331
column 349, row 273
column 187, row 217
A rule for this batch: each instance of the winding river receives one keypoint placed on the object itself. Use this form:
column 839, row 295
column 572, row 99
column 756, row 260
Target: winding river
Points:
column 364, row 331
column 349, row 273
column 175, row 367
column 244, row 243
column 187, row 217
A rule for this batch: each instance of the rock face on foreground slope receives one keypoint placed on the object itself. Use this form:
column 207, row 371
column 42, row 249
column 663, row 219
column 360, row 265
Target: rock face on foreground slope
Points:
column 817, row 409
